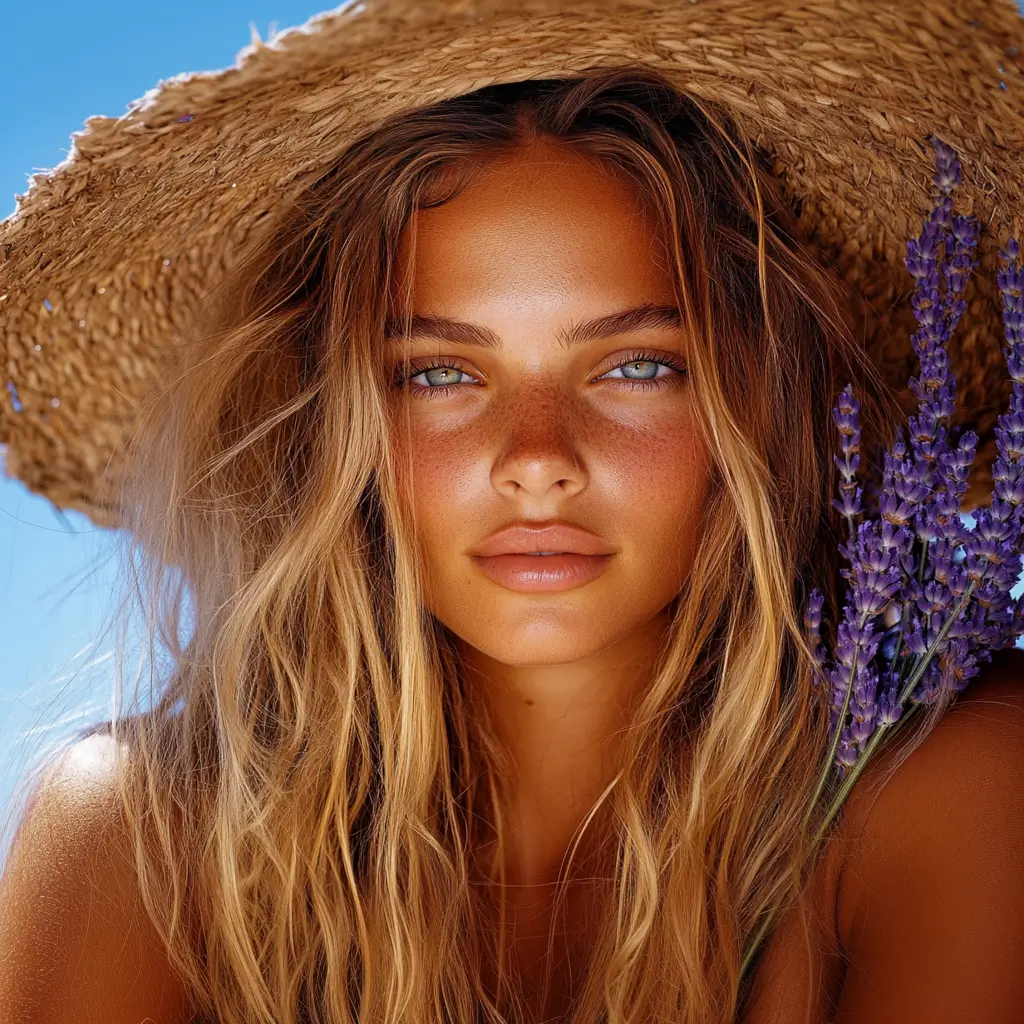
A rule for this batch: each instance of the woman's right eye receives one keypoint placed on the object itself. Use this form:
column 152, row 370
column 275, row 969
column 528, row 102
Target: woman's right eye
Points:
column 439, row 378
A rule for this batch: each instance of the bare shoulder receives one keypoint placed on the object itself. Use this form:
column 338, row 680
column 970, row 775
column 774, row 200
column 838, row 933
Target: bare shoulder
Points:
column 75, row 940
column 932, row 877
column 972, row 763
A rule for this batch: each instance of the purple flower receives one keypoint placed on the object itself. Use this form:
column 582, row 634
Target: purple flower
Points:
column 812, row 623
column 889, row 707
column 927, row 599
column 846, row 416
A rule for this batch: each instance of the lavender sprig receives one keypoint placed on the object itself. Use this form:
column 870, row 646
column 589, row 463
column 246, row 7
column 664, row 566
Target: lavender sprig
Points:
column 927, row 599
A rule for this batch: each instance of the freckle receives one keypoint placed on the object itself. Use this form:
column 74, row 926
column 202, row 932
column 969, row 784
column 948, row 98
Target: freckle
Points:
column 530, row 703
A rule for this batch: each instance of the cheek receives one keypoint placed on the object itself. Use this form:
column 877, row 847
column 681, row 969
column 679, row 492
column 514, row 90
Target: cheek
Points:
column 659, row 486
column 666, row 466
column 443, row 475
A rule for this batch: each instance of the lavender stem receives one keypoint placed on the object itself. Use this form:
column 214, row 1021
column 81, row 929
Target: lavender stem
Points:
column 830, row 759
column 922, row 664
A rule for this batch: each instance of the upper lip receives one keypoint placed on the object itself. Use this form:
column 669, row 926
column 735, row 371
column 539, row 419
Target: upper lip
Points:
column 525, row 538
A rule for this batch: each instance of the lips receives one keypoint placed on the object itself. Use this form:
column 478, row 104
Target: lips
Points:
column 530, row 539
column 513, row 556
column 542, row 573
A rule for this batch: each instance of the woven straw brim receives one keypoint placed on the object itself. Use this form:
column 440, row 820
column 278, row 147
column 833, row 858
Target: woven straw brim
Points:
column 108, row 256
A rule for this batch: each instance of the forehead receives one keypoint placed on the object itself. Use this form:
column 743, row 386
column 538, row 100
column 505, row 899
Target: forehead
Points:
column 536, row 227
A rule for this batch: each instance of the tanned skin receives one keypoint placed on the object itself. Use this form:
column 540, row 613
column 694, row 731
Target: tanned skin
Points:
column 918, row 912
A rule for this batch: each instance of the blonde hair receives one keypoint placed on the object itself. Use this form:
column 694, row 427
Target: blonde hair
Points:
column 306, row 786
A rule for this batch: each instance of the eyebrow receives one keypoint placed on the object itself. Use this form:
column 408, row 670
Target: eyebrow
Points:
column 647, row 316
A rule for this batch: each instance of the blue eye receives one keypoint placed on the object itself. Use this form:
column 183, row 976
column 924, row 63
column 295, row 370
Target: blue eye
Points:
column 641, row 362
column 632, row 365
column 448, row 371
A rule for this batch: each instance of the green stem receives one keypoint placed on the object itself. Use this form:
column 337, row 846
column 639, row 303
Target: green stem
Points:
column 930, row 653
column 854, row 773
column 834, row 746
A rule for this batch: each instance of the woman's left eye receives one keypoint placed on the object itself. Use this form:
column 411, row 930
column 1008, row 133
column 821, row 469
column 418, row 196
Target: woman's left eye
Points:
column 640, row 369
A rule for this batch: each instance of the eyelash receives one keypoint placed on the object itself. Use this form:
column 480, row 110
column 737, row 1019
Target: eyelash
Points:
column 415, row 369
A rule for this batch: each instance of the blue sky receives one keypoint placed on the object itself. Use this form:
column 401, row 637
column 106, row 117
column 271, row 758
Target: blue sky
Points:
column 57, row 570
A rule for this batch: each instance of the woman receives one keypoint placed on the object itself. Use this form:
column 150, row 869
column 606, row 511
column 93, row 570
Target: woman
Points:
column 476, row 519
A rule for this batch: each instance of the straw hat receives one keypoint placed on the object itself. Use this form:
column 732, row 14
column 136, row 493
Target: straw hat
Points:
column 109, row 254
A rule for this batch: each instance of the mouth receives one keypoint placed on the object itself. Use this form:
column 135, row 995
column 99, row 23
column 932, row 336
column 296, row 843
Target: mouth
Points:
column 542, row 571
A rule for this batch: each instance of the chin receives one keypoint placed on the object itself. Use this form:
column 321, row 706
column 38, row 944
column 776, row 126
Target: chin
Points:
column 540, row 641
column 526, row 655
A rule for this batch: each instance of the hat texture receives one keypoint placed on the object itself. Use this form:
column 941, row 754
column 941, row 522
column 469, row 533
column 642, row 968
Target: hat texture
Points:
column 109, row 255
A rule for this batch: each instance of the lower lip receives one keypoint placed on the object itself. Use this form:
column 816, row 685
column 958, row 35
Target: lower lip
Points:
column 542, row 573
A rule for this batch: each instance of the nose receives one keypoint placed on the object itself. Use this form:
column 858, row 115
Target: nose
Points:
column 538, row 452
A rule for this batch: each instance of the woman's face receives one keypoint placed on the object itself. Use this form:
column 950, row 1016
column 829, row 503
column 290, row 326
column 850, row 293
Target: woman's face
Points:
column 600, row 433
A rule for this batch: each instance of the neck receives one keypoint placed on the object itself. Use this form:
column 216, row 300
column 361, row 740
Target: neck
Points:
column 562, row 726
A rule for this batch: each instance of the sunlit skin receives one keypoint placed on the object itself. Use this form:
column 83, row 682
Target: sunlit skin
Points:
column 541, row 241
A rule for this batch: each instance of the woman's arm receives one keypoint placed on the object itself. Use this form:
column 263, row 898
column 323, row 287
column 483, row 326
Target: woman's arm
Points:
column 931, row 899
column 75, row 941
